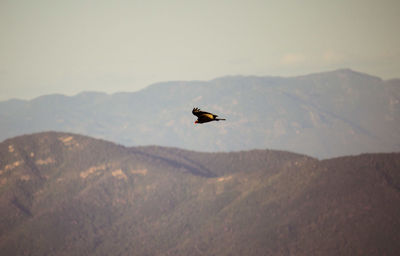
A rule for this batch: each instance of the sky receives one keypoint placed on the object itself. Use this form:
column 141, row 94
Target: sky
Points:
column 111, row 46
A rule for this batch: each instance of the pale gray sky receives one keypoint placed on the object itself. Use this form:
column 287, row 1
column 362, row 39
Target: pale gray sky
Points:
column 73, row 46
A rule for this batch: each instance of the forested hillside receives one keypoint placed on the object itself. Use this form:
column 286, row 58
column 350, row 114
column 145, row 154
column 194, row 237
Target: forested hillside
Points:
column 67, row 194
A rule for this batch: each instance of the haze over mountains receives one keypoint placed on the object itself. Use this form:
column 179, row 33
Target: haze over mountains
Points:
column 323, row 115
column 67, row 194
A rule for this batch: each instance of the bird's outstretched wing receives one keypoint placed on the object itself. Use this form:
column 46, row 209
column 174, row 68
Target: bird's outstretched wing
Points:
column 197, row 112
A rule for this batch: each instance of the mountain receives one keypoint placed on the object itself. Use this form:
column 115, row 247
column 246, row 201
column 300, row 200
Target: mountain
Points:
column 323, row 115
column 67, row 194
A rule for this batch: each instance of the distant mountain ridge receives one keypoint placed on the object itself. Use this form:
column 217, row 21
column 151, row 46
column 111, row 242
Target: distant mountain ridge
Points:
column 324, row 115
column 67, row 194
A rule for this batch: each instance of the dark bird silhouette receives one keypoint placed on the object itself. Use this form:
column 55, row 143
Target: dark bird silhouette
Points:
column 204, row 117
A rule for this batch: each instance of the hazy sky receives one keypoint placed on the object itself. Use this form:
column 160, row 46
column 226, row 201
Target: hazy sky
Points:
column 73, row 46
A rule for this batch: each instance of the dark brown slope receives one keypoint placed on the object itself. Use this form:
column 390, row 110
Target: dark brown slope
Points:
column 65, row 194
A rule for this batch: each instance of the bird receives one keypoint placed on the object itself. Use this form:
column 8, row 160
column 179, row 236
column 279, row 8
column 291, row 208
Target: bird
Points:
column 205, row 117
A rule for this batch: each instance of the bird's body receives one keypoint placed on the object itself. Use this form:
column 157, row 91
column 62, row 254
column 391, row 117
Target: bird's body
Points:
column 204, row 117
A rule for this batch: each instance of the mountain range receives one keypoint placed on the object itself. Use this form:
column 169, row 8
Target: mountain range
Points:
column 68, row 194
column 323, row 115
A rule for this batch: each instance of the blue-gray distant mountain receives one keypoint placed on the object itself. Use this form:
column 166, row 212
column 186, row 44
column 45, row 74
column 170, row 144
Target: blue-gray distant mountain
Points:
column 324, row 115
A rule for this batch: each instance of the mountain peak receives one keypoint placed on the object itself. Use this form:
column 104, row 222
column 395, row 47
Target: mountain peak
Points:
column 344, row 73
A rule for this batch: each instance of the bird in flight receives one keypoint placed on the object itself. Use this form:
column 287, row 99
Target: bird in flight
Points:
column 204, row 117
